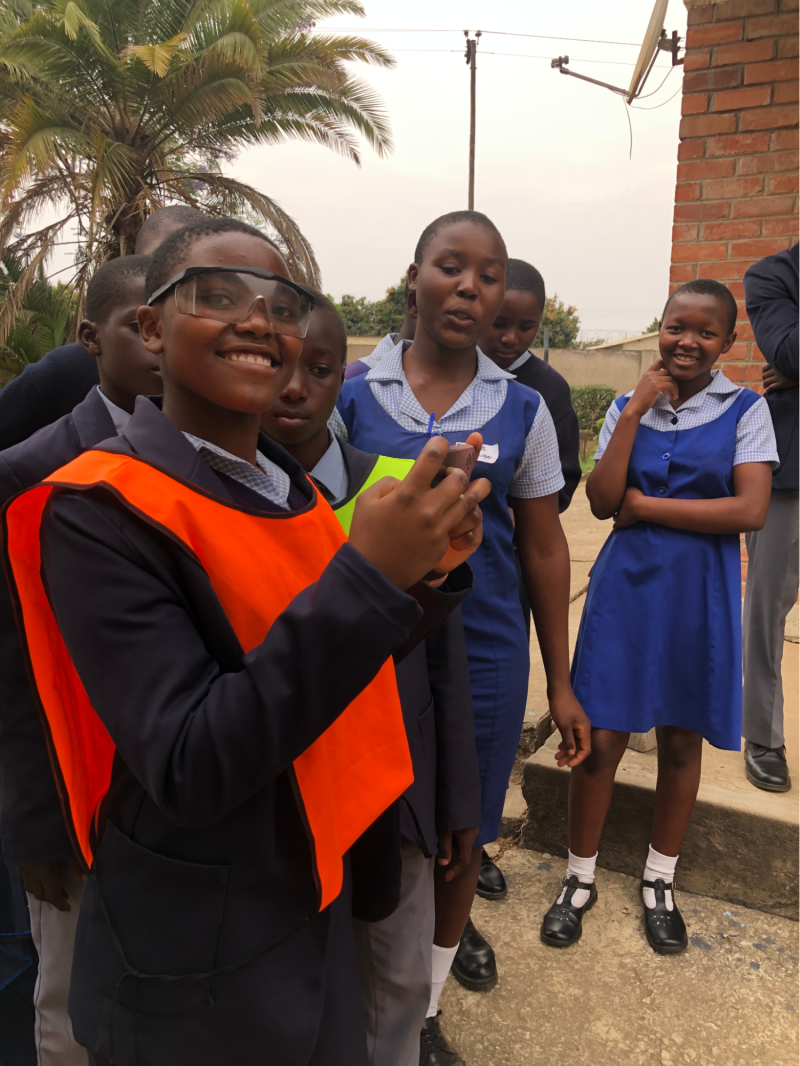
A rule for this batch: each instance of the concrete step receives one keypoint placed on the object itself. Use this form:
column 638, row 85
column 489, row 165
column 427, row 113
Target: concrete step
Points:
column 741, row 845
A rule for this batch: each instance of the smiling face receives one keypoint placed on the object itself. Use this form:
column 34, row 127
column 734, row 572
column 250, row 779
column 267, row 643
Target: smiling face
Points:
column 513, row 331
column 125, row 367
column 459, row 284
column 694, row 333
column 238, row 367
column 305, row 403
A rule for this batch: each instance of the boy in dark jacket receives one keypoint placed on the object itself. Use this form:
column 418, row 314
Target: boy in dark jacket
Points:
column 34, row 836
column 216, row 919
column 433, row 681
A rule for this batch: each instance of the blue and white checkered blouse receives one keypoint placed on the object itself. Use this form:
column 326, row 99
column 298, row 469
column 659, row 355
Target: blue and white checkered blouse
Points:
column 755, row 437
column 539, row 470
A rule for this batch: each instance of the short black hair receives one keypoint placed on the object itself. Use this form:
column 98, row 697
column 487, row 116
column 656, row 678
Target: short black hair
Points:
column 164, row 217
column 110, row 285
column 452, row 219
column 522, row 277
column 166, row 260
column 325, row 305
column 708, row 287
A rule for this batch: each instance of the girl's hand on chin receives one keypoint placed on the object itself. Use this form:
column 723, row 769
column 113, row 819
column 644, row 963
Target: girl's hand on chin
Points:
column 628, row 514
column 656, row 380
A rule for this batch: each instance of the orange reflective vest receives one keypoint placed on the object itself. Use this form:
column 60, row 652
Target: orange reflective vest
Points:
column 346, row 778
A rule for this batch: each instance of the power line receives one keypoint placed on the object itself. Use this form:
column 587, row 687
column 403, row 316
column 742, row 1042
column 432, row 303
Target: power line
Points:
column 512, row 55
column 496, row 33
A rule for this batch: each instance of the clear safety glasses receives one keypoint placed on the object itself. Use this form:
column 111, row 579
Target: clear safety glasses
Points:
column 229, row 294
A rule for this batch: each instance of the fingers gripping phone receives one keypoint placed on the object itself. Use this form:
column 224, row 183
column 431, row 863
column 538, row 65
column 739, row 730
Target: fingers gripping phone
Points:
column 461, row 457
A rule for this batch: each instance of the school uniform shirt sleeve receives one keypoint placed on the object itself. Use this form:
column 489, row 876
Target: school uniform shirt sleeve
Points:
column 755, row 436
column 336, row 425
column 539, row 471
column 607, row 428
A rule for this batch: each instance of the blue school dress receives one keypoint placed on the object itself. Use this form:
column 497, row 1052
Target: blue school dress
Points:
column 660, row 637
column 494, row 627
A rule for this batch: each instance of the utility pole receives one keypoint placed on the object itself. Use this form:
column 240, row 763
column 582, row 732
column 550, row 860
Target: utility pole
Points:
column 472, row 45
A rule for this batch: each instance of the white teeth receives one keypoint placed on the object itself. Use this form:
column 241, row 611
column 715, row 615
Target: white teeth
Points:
column 248, row 357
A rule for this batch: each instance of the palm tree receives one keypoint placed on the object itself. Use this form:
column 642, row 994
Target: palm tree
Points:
column 110, row 109
column 43, row 321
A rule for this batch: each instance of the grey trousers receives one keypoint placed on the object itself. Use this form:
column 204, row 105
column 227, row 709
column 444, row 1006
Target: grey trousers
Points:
column 53, row 933
column 772, row 574
column 394, row 961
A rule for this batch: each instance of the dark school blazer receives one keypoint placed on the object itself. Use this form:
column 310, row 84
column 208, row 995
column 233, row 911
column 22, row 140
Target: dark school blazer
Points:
column 45, row 391
column 554, row 390
column 203, row 870
column 771, row 297
column 32, row 826
column 435, row 693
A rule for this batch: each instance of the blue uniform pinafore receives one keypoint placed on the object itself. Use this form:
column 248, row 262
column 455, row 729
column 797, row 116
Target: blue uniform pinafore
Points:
column 494, row 627
column 660, row 637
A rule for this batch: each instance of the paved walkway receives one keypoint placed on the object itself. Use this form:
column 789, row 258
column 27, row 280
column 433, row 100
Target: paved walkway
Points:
column 730, row 1000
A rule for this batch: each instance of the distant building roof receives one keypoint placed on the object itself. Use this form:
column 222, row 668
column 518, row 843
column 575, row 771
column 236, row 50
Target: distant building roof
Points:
column 629, row 342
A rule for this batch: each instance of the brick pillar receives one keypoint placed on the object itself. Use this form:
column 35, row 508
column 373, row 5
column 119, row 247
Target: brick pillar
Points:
column 736, row 192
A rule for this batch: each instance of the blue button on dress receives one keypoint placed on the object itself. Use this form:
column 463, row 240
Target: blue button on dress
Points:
column 494, row 627
column 660, row 637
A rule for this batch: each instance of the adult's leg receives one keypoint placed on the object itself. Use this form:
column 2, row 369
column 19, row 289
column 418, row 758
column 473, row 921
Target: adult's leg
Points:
column 680, row 754
column 53, row 934
column 772, row 578
column 394, row 961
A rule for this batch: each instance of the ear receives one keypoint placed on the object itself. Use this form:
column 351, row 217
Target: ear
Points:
column 150, row 328
column 89, row 338
column 413, row 272
column 726, row 347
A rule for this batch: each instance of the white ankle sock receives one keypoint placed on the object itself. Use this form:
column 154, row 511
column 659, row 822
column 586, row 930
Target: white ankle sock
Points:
column 583, row 869
column 441, row 961
column 662, row 866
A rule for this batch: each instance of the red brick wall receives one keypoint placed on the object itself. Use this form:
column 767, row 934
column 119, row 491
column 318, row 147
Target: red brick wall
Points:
column 736, row 191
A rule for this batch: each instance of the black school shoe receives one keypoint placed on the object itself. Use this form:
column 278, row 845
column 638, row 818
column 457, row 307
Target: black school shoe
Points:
column 666, row 930
column 491, row 883
column 474, row 966
column 766, row 767
column 434, row 1048
column 562, row 926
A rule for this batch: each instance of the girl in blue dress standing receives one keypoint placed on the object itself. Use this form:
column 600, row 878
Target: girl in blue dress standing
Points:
column 440, row 383
column 684, row 466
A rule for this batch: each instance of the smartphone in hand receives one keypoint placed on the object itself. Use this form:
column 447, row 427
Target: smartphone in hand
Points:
column 460, row 456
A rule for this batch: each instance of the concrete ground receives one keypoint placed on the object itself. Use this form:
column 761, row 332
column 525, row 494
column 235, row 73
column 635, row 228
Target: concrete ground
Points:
column 729, row 1000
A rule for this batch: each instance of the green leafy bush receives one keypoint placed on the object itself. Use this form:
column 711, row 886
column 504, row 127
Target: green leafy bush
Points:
column 591, row 403
column 368, row 318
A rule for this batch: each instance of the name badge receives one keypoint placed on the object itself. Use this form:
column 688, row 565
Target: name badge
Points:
column 489, row 453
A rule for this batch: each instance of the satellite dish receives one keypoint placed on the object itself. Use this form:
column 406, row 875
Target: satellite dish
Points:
column 655, row 40
column 649, row 47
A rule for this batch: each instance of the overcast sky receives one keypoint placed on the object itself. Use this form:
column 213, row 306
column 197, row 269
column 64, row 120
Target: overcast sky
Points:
column 552, row 165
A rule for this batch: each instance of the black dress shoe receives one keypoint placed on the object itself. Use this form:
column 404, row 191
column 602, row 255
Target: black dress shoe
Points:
column 766, row 767
column 491, row 883
column 434, row 1049
column 474, row 965
column 666, row 932
column 562, row 926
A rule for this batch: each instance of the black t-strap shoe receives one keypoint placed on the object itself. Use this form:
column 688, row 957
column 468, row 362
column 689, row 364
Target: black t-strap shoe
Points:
column 562, row 926
column 666, row 931
column 434, row 1047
